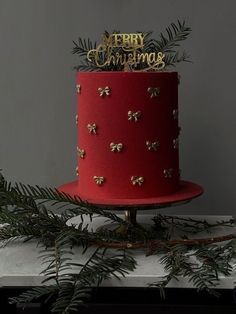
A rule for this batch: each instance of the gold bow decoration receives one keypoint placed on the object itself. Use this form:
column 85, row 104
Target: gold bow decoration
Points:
column 81, row 152
column 153, row 91
column 92, row 128
column 99, row 180
column 175, row 114
column 116, row 147
column 153, row 145
column 77, row 171
column 134, row 116
column 137, row 180
column 176, row 143
column 76, row 119
column 78, row 88
column 168, row 172
column 104, row 91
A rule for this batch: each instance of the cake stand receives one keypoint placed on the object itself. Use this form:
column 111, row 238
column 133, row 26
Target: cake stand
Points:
column 185, row 193
column 131, row 212
column 130, row 207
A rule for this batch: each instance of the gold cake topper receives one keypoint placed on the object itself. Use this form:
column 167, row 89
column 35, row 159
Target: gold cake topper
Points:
column 125, row 50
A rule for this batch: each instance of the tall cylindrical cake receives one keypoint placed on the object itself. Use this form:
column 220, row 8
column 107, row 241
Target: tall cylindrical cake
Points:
column 128, row 134
column 128, row 139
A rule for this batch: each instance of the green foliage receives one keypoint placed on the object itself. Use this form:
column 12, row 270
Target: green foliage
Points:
column 189, row 225
column 202, row 265
column 167, row 43
column 28, row 212
column 175, row 33
column 60, row 200
column 35, row 294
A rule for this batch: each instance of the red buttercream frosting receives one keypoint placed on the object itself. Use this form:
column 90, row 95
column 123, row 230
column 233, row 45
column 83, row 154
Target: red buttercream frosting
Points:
column 149, row 147
column 128, row 139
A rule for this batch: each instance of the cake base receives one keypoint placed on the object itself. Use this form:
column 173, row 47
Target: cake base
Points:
column 186, row 192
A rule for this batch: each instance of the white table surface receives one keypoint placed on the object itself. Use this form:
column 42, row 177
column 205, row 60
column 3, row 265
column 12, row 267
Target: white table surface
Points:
column 20, row 264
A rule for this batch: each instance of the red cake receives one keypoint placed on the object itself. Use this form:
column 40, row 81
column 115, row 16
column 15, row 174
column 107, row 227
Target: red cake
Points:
column 128, row 139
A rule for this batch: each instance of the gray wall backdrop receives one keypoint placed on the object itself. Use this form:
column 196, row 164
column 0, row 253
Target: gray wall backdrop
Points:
column 37, row 92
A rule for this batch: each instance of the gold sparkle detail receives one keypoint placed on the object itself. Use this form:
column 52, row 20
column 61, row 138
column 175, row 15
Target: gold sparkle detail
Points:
column 168, row 173
column 99, row 180
column 78, row 88
column 81, row 152
column 92, row 128
column 104, row 91
column 153, row 91
column 137, row 180
column 152, row 146
column 77, row 171
column 175, row 113
column 116, row 147
column 134, row 116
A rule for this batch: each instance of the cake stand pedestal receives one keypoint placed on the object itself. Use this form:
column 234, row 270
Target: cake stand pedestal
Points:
column 130, row 217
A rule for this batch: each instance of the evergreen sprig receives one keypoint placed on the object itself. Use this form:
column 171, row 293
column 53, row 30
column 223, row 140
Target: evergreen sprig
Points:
column 35, row 293
column 175, row 33
column 178, row 263
column 31, row 212
column 73, row 289
column 189, row 225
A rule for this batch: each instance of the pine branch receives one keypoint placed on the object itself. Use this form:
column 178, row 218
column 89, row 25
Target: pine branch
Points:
column 69, row 294
column 172, row 59
column 154, row 246
column 175, row 33
column 102, row 266
column 54, row 197
column 172, row 262
column 217, row 259
column 82, row 46
column 46, row 226
column 35, row 293
column 9, row 197
column 16, row 226
column 28, row 218
column 73, row 289
column 177, row 262
column 189, row 224
column 70, row 297
column 57, row 260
